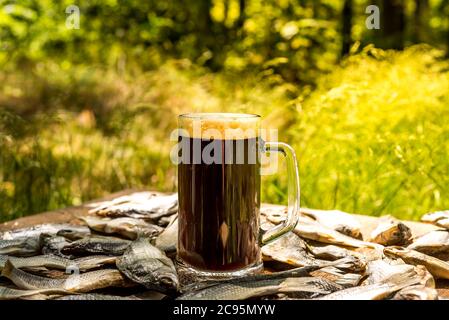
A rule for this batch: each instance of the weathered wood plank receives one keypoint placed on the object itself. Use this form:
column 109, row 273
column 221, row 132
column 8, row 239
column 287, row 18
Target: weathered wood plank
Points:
column 65, row 215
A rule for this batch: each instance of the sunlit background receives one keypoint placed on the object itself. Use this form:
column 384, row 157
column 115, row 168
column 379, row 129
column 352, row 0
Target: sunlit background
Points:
column 85, row 112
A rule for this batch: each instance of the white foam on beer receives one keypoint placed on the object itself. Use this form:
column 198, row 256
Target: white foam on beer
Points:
column 225, row 126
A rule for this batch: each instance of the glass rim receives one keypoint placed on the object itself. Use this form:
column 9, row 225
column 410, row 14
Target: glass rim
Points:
column 218, row 116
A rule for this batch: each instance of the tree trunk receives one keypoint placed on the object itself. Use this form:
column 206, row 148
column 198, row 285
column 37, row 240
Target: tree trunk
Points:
column 421, row 18
column 225, row 11
column 242, row 15
column 393, row 24
column 204, row 19
column 447, row 39
column 346, row 27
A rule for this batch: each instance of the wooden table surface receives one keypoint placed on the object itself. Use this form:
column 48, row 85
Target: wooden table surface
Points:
column 71, row 214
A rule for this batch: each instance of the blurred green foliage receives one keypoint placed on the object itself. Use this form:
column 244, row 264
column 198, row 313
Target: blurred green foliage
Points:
column 85, row 112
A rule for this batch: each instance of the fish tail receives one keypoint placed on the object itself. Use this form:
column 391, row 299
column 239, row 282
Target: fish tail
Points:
column 8, row 269
column 349, row 280
column 404, row 279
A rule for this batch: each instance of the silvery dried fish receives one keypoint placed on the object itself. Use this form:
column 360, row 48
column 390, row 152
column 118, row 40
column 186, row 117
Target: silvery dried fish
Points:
column 94, row 297
column 20, row 247
column 145, row 264
column 244, row 289
column 45, row 264
column 13, row 294
column 127, row 227
column 391, row 231
column 50, row 229
column 437, row 267
column 439, row 218
column 295, row 272
column 139, row 205
column 379, row 270
column 337, row 220
column 48, row 261
column 84, row 282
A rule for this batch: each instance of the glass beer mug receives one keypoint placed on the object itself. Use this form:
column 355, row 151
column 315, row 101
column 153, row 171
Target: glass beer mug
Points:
column 219, row 193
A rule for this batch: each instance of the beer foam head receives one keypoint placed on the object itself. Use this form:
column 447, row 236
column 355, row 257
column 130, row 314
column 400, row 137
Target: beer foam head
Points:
column 225, row 126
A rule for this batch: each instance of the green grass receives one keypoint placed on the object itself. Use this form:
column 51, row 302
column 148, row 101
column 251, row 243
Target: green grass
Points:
column 371, row 137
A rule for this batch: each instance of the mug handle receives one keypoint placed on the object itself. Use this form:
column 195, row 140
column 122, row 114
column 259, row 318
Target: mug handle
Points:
column 293, row 191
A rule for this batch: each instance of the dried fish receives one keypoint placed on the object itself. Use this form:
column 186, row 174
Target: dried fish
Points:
column 48, row 261
column 418, row 292
column 375, row 291
column 145, row 264
column 434, row 243
column 391, row 231
column 289, row 249
column 436, row 267
column 290, row 273
column 350, row 264
column 20, row 247
column 313, row 230
column 13, row 294
column 97, row 245
column 332, row 252
column 44, row 262
column 127, row 227
column 336, row 220
column 378, row 271
column 439, row 218
column 95, row 296
column 50, row 229
column 245, row 289
column 168, row 239
column 143, row 205
column 329, row 252
column 84, row 282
